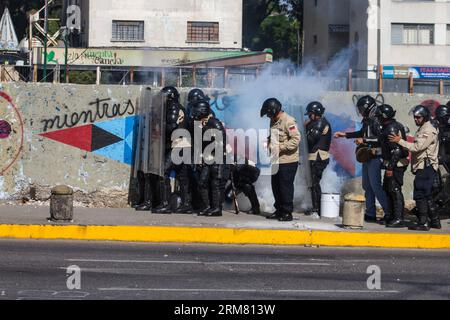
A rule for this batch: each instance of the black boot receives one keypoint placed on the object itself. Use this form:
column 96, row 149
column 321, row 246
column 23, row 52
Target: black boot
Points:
column 274, row 216
column 164, row 207
column 186, row 205
column 433, row 213
column 203, row 211
column 250, row 192
column 398, row 205
column 286, row 217
column 146, row 206
column 216, row 199
column 395, row 223
column 146, row 189
column 214, row 212
column 422, row 223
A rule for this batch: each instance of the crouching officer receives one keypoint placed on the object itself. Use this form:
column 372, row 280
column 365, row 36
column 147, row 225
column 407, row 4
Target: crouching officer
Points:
column 318, row 134
column 243, row 178
column 395, row 163
column 211, row 171
column 283, row 145
column 424, row 163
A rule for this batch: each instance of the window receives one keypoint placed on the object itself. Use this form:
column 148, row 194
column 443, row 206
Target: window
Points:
column 448, row 34
column 128, row 31
column 419, row 34
column 202, row 31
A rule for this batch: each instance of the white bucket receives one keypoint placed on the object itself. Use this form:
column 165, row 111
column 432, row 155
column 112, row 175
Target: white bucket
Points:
column 330, row 205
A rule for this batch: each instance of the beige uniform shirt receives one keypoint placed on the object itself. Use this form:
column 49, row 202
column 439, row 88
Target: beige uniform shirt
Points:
column 323, row 155
column 425, row 145
column 284, row 140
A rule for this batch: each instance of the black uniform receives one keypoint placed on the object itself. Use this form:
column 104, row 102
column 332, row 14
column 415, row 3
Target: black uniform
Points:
column 318, row 134
column 244, row 176
column 176, row 118
column 392, row 154
column 442, row 185
column 211, row 173
column 370, row 130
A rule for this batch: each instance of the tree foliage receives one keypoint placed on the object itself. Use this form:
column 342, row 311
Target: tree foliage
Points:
column 19, row 10
column 275, row 24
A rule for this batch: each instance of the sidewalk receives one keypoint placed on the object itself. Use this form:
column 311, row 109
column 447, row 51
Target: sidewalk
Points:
column 30, row 221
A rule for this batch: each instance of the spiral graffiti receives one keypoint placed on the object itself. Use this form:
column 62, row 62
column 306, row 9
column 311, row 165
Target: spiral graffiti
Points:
column 11, row 132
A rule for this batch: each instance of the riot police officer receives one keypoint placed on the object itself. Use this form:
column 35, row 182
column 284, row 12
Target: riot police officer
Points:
column 283, row 145
column 368, row 136
column 441, row 190
column 395, row 163
column 211, row 169
column 318, row 134
column 424, row 163
column 443, row 119
column 194, row 96
column 176, row 118
column 243, row 178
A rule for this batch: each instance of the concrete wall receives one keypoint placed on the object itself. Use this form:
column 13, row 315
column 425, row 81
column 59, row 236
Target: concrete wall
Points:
column 165, row 22
column 49, row 143
column 63, row 158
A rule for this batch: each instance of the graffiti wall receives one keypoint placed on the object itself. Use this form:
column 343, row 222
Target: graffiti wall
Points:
column 82, row 136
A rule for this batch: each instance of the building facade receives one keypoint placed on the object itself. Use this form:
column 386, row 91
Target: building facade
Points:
column 394, row 34
column 187, row 24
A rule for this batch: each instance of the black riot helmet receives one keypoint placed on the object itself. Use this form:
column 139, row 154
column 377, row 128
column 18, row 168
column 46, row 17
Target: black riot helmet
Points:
column 196, row 95
column 385, row 112
column 171, row 93
column 200, row 110
column 443, row 114
column 421, row 111
column 271, row 107
column 366, row 106
column 316, row 108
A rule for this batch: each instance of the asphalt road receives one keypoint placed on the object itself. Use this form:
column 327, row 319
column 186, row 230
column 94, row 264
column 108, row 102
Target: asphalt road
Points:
column 32, row 269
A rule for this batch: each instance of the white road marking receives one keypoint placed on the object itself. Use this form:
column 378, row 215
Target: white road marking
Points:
column 203, row 262
column 248, row 290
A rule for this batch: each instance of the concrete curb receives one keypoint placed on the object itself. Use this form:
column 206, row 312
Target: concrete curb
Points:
column 227, row 236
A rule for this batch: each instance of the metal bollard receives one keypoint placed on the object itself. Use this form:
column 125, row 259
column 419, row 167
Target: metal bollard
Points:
column 61, row 204
column 354, row 207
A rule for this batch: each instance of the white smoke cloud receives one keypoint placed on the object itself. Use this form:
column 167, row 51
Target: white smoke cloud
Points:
column 294, row 88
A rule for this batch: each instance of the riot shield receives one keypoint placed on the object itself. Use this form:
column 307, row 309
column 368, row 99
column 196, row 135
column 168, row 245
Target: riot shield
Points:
column 157, row 136
column 150, row 141
column 304, row 152
column 141, row 147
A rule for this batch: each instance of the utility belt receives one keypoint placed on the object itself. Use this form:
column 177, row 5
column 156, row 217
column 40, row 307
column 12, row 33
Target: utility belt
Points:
column 365, row 153
column 402, row 164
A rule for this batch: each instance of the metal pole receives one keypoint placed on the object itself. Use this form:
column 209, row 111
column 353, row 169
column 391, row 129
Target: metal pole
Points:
column 45, row 39
column 66, row 52
column 30, row 47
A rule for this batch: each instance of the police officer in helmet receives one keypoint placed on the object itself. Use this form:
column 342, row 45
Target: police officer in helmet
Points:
column 211, row 170
column 368, row 137
column 395, row 163
column 283, row 145
column 318, row 134
column 176, row 118
column 424, row 163
column 443, row 119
